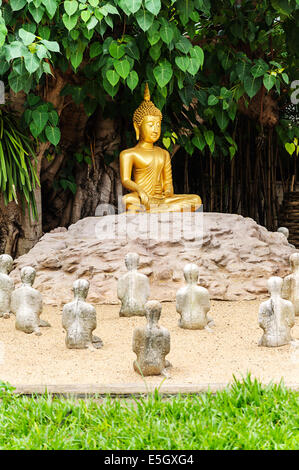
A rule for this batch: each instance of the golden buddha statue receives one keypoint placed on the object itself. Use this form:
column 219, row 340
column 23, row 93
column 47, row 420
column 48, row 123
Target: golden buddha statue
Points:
column 151, row 187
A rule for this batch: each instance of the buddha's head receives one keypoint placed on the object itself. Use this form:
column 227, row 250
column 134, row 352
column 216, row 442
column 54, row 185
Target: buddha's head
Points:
column 147, row 120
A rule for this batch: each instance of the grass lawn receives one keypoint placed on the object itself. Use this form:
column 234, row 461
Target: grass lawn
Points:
column 245, row 416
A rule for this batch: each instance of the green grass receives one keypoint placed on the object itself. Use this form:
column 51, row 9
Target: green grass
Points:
column 245, row 416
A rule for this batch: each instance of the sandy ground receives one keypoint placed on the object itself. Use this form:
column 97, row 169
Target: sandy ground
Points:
column 198, row 357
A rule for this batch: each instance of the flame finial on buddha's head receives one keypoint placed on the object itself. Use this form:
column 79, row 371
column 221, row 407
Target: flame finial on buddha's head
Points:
column 146, row 108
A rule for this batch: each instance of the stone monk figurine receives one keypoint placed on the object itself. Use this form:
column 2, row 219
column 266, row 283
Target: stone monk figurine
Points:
column 290, row 289
column 79, row 319
column 133, row 288
column 193, row 302
column 6, row 285
column 27, row 304
column 276, row 316
column 151, row 343
column 151, row 188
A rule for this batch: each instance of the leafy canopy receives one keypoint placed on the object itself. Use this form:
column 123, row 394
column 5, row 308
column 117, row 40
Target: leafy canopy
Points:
column 210, row 51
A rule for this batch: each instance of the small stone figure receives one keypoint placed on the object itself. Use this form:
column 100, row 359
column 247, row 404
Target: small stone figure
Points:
column 284, row 231
column 133, row 289
column 276, row 316
column 27, row 304
column 151, row 343
column 79, row 320
column 290, row 288
column 193, row 302
column 6, row 285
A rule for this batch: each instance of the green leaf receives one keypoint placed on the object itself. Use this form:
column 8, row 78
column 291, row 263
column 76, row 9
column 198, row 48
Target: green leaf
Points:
column 117, row 50
column 52, row 46
column 290, row 148
column 41, row 51
column 27, row 38
column 163, row 73
column 53, row 134
column 259, row 69
column 166, row 34
column 15, row 49
column 199, row 142
column 132, row 80
column 112, row 77
column 243, row 70
column 209, row 136
column 69, row 21
column 53, row 117
column 17, row 5
column 194, row 65
column 91, row 24
column 197, row 53
column 76, row 58
column 285, row 78
column 133, row 5
column 153, row 6
column 31, row 62
column 153, row 35
column 37, row 13
column 212, row 100
column 85, row 15
column 132, row 50
column 155, row 52
column 144, row 19
column 70, row 7
column 16, row 81
column 122, row 67
column 183, row 45
column 51, row 7
column 182, row 63
column 95, row 49
column 108, row 8
column 40, row 119
column 221, row 118
column 269, row 81
column 252, row 85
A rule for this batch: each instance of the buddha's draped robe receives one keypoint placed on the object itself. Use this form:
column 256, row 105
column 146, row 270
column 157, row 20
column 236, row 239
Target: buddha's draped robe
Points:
column 156, row 178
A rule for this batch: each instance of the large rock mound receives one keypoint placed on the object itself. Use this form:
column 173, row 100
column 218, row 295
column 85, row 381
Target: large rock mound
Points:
column 235, row 255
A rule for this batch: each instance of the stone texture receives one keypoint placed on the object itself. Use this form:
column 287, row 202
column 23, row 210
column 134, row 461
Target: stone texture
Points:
column 6, row 285
column 234, row 254
column 276, row 316
column 151, row 343
column 193, row 302
column 79, row 319
column 290, row 289
column 133, row 288
column 27, row 304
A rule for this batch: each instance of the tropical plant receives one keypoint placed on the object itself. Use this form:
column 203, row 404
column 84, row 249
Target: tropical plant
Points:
column 18, row 177
column 208, row 64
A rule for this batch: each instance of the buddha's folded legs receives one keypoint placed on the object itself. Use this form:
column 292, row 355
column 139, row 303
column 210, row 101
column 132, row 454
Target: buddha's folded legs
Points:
column 175, row 203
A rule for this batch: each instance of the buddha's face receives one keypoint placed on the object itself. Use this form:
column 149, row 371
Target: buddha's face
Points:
column 150, row 129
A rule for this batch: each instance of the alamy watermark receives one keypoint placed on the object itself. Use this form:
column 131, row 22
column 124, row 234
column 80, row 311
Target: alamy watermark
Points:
column 153, row 224
column 2, row 92
column 295, row 93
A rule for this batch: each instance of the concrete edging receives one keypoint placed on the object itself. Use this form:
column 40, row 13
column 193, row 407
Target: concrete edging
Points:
column 124, row 390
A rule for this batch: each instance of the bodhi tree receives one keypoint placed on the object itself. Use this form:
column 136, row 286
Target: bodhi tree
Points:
column 74, row 71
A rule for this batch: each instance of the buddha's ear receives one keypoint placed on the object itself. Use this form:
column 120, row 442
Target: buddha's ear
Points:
column 136, row 131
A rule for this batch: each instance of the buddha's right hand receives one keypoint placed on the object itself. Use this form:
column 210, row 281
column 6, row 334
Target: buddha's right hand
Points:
column 144, row 198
